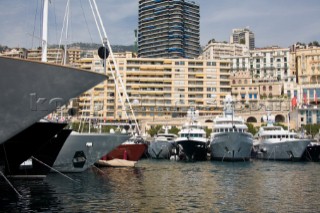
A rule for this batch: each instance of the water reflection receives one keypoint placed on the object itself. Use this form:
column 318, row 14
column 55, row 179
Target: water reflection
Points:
column 166, row 186
column 37, row 195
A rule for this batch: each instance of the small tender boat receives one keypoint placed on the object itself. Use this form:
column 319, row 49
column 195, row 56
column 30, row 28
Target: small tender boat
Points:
column 116, row 163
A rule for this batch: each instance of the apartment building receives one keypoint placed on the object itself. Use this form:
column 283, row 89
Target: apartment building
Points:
column 56, row 55
column 305, row 64
column 157, row 88
column 15, row 53
column 265, row 64
column 243, row 36
column 245, row 90
column 168, row 29
column 217, row 50
column 263, row 74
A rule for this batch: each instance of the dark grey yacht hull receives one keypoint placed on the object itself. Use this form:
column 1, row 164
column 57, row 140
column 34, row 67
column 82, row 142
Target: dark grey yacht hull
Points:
column 82, row 150
column 160, row 149
column 31, row 90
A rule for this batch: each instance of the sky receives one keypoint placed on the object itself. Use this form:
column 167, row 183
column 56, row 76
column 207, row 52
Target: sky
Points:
column 274, row 22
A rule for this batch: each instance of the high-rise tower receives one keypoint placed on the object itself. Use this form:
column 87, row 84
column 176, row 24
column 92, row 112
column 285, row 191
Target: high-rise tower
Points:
column 243, row 36
column 168, row 29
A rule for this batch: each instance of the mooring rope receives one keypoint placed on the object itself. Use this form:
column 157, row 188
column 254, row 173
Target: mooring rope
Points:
column 66, row 176
column 16, row 191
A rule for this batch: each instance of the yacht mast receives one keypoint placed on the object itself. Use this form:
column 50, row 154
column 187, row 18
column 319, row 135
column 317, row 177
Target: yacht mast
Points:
column 44, row 31
column 117, row 77
column 288, row 124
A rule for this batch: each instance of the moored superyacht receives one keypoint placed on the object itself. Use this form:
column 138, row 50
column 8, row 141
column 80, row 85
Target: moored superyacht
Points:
column 230, row 140
column 82, row 150
column 32, row 90
column 192, row 138
column 275, row 143
column 162, row 144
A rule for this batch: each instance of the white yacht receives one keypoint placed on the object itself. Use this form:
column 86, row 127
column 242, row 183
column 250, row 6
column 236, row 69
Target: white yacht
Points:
column 192, row 138
column 230, row 140
column 275, row 143
column 162, row 144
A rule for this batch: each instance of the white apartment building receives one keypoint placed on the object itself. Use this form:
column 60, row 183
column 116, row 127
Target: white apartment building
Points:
column 217, row 50
column 265, row 64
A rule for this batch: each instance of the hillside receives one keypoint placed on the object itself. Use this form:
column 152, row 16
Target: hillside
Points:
column 90, row 46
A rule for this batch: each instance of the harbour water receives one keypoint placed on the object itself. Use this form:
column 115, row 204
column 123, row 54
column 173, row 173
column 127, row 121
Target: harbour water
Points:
column 168, row 186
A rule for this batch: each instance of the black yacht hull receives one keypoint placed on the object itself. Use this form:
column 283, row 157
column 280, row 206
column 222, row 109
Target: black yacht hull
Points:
column 38, row 141
column 44, row 158
column 194, row 150
column 312, row 153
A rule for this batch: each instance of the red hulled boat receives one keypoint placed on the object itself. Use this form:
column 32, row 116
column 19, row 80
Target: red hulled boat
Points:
column 131, row 150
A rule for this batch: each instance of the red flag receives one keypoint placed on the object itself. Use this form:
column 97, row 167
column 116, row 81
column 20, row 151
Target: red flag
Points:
column 304, row 98
column 315, row 97
column 294, row 102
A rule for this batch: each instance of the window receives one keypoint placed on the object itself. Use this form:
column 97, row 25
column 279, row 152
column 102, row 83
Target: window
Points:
column 309, row 117
column 179, row 63
column 211, row 63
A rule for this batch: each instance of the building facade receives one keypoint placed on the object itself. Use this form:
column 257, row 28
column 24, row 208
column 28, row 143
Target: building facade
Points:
column 217, row 50
column 262, row 76
column 168, row 29
column 56, row 55
column 305, row 64
column 157, row 88
column 15, row 53
column 265, row 64
column 243, row 36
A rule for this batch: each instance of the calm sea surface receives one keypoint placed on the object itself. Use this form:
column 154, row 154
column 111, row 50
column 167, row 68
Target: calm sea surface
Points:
column 168, row 186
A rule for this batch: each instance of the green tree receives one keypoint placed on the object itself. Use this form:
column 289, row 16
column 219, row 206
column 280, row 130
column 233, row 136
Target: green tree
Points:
column 174, row 130
column 208, row 131
column 314, row 43
column 154, row 130
column 252, row 129
column 312, row 129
